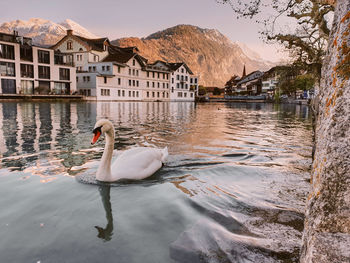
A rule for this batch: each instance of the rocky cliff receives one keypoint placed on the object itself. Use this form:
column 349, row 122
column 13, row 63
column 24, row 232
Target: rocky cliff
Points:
column 208, row 53
column 327, row 227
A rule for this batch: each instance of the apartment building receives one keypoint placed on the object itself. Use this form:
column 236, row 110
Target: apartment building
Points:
column 29, row 69
column 108, row 72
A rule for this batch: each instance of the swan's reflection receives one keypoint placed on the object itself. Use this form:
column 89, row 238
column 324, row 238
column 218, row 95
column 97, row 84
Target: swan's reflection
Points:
column 107, row 232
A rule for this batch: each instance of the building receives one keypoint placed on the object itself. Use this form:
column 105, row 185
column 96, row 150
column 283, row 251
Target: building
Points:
column 108, row 72
column 269, row 82
column 180, row 83
column 250, row 84
column 29, row 69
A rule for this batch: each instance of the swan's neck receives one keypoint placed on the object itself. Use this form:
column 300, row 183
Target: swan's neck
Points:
column 104, row 170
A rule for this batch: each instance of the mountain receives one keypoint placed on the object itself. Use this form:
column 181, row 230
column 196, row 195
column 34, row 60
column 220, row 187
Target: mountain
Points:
column 210, row 54
column 44, row 32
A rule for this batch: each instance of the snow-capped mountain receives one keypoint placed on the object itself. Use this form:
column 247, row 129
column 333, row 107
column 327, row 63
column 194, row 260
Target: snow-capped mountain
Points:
column 44, row 32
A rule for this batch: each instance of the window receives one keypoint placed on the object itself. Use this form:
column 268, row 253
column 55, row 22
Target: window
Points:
column 77, row 79
column 167, row 85
column 177, row 85
column 7, row 69
column 147, row 74
column 95, row 58
column 27, row 71
column 137, row 72
column 153, row 94
column 90, row 69
column 44, row 72
column 105, row 92
column 137, row 83
column 105, row 80
column 158, row 94
column 118, row 92
column 84, row 78
column 69, row 45
column 26, row 53
column 94, row 68
column 147, row 94
column 163, row 75
column 64, row 74
column 118, row 69
column 8, row 86
column 133, row 83
column 129, row 93
column 137, row 94
column 133, row 93
column 163, row 94
column 133, row 62
column 179, row 94
column 163, row 85
column 7, row 51
column 158, row 84
column 88, row 78
column 153, row 74
column 158, row 74
column 27, row 86
column 182, row 70
column 133, row 72
column 185, row 94
column 167, row 94
column 191, row 95
column 129, row 82
column 186, row 78
column 147, row 83
column 123, row 93
column 129, row 71
column 103, row 68
column 153, row 84
column 119, row 81
column 172, row 80
column 178, row 77
column 43, row 56
column 108, row 68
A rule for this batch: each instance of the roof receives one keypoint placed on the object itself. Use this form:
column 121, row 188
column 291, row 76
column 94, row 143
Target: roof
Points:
column 175, row 66
column 96, row 43
column 250, row 77
column 123, row 55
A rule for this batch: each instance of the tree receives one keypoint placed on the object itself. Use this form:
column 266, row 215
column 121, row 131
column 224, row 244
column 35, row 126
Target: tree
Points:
column 307, row 44
column 216, row 91
column 202, row 90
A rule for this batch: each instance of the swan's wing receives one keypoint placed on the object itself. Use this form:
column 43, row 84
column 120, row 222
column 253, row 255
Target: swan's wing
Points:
column 137, row 163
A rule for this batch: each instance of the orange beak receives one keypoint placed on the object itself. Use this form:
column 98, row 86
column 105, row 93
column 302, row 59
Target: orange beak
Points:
column 96, row 136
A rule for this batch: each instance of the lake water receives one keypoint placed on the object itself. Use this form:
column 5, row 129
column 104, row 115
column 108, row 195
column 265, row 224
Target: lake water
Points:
column 233, row 189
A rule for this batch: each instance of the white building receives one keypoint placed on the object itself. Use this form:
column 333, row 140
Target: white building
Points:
column 108, row 72
column 29, row 69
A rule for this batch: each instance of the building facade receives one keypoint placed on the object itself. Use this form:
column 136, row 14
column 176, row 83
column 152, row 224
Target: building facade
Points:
column 29, row 69
column 108, row 72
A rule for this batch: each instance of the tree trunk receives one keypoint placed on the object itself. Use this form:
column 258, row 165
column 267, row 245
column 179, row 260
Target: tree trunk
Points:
column 327, row 225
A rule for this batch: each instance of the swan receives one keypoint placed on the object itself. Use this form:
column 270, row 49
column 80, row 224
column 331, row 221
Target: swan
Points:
column 135, row 164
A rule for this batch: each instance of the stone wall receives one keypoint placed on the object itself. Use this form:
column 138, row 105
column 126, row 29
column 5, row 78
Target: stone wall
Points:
column 327, row 227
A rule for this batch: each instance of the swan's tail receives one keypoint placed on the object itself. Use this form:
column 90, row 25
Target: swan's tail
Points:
column 164, row 154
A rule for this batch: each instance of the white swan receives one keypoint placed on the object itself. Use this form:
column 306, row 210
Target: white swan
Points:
column 136, row 163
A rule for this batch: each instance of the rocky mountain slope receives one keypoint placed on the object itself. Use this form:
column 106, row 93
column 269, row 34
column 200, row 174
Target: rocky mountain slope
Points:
column 208, row 53
column 44, row 32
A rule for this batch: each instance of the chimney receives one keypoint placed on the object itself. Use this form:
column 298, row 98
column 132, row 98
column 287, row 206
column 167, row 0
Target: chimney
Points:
column 69, row 32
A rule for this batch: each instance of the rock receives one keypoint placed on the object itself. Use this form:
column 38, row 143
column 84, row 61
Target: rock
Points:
column 327, row 226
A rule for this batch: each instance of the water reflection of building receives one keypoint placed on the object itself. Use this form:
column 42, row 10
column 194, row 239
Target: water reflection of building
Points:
column 30, row 129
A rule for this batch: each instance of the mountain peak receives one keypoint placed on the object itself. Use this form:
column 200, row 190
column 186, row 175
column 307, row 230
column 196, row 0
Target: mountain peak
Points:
column 43, row 31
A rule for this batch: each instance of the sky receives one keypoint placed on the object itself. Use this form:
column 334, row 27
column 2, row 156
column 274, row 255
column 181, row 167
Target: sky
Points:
column 140, row 18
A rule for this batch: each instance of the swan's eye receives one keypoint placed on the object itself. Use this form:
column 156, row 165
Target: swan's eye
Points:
column 96, row 130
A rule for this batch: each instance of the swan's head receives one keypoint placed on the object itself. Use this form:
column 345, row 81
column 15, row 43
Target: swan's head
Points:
column 101, row 126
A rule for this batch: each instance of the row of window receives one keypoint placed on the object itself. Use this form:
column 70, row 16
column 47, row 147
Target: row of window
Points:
column 26, row 53
column 165, row 94
column 158, row 85
column 27, row 71
column 180, row 94
column 134, row 72
column 121, row 93
column 164, row 75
